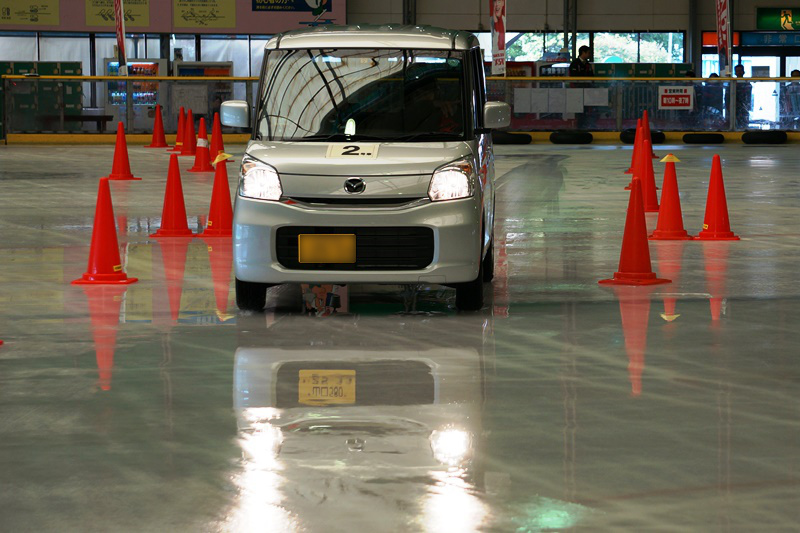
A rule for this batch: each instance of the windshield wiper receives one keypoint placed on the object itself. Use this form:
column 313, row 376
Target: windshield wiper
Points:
column 428, row 136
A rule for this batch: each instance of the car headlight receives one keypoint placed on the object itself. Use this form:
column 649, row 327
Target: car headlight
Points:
column 452, row 181
column 451, row 446
column 259, row 180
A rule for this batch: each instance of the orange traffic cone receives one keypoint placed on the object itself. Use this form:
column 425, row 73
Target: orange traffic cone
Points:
column 159, row 140
column 670, row 255
column 634, row 259
column 173, row 254
column 218, row 154
column 104, row 262
column 716, row 225
column 220, row 213
column 104, row 306
column 220, row 257
column 121, row 168
column 648, row 179
column 670, row 217
column 173, row 214
column 634, row 310
column 179, row 134
column 637, row 140
column 647, row 135
column 202, row 160
column 189, row 139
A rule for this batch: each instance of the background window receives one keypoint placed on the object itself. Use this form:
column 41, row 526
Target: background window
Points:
column 616, row 47
column 664, row 47
column 18, row 48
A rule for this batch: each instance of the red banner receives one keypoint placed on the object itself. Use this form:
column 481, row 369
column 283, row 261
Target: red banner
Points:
column 724, row 36
column 498, row 8
column 119, row 17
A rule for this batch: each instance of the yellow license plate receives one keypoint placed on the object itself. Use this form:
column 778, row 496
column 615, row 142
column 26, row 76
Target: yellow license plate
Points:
column 326, row 387
column 326, row 248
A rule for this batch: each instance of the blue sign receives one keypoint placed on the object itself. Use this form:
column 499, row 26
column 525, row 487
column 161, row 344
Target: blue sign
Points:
column 771, row 38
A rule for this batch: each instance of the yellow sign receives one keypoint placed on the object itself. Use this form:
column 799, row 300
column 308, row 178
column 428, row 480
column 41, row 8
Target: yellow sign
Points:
column 29, row 12
column 204, row 13
column 101, row 12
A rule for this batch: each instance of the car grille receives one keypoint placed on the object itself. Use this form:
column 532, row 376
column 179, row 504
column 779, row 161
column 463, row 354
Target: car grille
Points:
column 376, row 248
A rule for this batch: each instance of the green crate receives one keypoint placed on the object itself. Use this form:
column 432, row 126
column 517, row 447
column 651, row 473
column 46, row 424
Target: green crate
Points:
column 24, row 67
column 603, row 70
column 48, row 68
column 623, row 70
column 6, row 68
column 665, row 70
column 682, row 68
column 644, row 70
column 71, row 68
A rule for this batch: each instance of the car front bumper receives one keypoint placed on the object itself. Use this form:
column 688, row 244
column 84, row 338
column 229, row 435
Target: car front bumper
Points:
column 456, row 227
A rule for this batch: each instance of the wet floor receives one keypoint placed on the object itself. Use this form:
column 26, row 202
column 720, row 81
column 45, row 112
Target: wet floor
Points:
column 561, row 406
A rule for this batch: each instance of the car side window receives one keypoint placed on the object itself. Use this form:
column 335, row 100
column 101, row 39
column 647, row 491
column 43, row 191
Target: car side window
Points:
column 479, row 82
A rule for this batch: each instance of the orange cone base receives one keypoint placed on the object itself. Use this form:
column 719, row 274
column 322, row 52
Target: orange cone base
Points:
column 165, row 145
column 216, row 233
column 652, row 209
column 172, row 233
column 670, row 235
column 108, row 279
column 208, row 168
column 716, row 236
column 628, row 278
column 112, row 177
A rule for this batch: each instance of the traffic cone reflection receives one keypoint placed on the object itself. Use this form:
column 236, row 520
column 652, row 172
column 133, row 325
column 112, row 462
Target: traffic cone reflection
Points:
column 179, row 134
column 634, row 259
column 104, row 306
column 220, row 213
column 670, row 257
column 173, row 214
column 716, row 225
column 189, row 140
column 634, row 310
column 202, row 162
column 715, row 258
column 104, row 265
column 220, row 258
column 648, row 178
column 670, row 217
column 121, row 167
column 173, row 255
column 159, row 140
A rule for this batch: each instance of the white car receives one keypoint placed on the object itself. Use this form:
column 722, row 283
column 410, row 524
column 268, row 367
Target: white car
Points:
column 371, row 161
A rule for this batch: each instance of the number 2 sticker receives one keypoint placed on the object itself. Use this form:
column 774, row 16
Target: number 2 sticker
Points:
column 353, row 150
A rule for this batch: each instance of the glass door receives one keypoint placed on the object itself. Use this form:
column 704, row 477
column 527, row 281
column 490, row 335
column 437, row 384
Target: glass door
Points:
column 765, row 108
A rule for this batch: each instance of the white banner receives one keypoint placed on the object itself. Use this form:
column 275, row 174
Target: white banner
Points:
column 676, row 98
column 498, row 8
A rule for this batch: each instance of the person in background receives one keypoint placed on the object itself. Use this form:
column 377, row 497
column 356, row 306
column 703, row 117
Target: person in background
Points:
column 790, row 103
column 580, row 67
column 744, row 98
column 711, row 101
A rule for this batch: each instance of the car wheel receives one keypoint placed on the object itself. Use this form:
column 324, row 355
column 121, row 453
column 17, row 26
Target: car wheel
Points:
column 251, row 296
column 469, row 295
column 488, row 263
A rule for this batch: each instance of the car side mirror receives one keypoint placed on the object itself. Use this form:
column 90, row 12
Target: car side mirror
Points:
column 235, row 113
column 496, row 115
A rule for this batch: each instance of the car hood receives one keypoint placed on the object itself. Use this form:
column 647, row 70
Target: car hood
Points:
column 392, row 159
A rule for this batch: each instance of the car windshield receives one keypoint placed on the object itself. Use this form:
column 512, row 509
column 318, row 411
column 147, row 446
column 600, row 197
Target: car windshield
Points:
column 349, row 94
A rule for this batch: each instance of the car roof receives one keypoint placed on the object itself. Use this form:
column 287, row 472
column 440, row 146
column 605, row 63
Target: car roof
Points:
column 375, row 36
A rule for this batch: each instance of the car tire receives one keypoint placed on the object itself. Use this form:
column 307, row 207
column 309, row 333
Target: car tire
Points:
column 764, row 137
column 251, row 296
column 488, row 263
column 469, row 295
column 571, row 137
column 505, row 137
column 629, row 136
column 703, row 138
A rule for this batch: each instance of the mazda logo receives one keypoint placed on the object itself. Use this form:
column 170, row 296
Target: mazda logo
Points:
column 354, row 186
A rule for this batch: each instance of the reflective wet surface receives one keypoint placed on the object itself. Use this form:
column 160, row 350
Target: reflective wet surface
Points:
column 562, row 405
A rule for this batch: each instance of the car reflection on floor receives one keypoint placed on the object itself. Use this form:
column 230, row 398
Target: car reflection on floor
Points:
column 343, row 422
